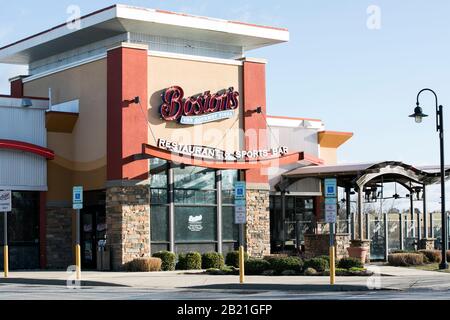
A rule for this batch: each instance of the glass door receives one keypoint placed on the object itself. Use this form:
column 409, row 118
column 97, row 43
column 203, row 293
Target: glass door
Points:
column 93, row 230
column 377, row 236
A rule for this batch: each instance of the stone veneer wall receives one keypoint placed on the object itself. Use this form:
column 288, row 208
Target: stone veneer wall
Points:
column 128, row 223
column 258, row 223
column 319, row 244
column 59, row 243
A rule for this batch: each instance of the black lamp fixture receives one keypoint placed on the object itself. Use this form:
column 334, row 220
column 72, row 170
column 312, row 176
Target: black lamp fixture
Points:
column 418, row 115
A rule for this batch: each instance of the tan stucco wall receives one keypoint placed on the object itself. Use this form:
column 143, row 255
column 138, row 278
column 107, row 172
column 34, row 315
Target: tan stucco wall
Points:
column 83, row 152
column 329, row 155
column 195, row 78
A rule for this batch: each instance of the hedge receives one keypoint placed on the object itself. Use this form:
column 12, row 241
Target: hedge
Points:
column 281, row 264
column 232, row 258
column 168, row 260
column 143, row 265
column 348, row 263
column 212, row 260
column 189, row 261
column 256, row 266
column 432, row 256
column 406, row 259
column 318, row 264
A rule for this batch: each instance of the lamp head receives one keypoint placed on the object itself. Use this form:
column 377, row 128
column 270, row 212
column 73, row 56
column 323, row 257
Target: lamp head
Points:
column 418, row 114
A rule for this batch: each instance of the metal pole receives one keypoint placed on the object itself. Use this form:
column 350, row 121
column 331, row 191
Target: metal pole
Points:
column 386, row 235
column 431, row 225
column 332, row 255
column 411, row 215
column 283, row 219
column 77, row 245
column 425, row 215
column 219, row 209
column 400, row 218
column 360, row 210
column 171, row 211
column 347, row 207
column 5, row 244
column 444, row 264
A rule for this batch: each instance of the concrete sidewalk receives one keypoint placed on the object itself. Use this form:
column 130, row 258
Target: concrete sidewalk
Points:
column 385, row 278
column 389, row 283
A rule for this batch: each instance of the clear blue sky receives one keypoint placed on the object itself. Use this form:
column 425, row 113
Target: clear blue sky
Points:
column 334, row 68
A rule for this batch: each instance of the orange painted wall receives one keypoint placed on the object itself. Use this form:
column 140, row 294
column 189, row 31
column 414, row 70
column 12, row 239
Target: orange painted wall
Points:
column 255, row 125
column 126, row 132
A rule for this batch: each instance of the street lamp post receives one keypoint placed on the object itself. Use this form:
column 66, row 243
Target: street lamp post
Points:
column 418, row 115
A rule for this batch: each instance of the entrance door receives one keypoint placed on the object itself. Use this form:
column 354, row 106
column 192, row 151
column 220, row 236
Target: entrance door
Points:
column 377, row 237
column 93, row 229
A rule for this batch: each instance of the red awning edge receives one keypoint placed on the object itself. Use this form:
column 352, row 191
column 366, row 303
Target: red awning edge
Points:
column 247, row 164
column 27, row 147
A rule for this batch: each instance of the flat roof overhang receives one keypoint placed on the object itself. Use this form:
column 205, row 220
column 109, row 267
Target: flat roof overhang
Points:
column 348, row 174
column 119, row 19
column 333, row 139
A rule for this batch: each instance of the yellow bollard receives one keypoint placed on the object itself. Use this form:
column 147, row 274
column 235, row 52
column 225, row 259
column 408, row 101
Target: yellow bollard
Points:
column 332, row 266
column 78, row 260
column 5, row 260
column 241, row 265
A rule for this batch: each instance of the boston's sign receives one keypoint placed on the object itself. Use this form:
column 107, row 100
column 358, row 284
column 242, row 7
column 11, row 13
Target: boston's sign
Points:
column 198, row 109
column 217, row 154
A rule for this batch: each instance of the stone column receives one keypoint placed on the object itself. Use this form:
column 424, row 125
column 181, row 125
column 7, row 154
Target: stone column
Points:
column 128, row 223
column 258, row 222
column 59, row 240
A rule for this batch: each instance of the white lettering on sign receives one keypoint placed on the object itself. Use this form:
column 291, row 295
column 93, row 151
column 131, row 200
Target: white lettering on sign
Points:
column 5, row 201
column 217, row 154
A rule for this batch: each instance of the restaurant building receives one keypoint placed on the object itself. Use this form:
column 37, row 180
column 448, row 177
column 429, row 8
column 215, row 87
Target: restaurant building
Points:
column 157, row 115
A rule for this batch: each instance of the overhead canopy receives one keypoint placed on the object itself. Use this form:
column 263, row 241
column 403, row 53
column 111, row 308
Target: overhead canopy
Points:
column 362, row 174
column 120, row 19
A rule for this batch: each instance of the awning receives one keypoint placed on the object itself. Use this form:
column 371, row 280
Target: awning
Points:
column 149, row 151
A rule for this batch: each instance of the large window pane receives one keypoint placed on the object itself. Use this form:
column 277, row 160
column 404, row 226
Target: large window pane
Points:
column 195, row 223
column 189, row 196
column 195, row 178
column 229, row 178
column 159, row 222
column 230, row 230
column 158, row 173
column 23, row 221
column 158, row 196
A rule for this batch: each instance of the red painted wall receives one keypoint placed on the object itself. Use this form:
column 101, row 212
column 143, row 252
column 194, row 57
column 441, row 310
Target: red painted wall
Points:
column 255, row 124
column 126, row 128
column 17, row 88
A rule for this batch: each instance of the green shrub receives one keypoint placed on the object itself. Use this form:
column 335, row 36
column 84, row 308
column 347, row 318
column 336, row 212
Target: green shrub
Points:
column 232, row 258
column 325, row 257
column 310, row 272
column 348, row 263
column 189, row 261
column 212, row 260
column 256, row 266
column 318, row 264
column 280, row 264
column 143, row 265
column 432, row 256
column 168, row 260
column 406, row 259
column 226, row 270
